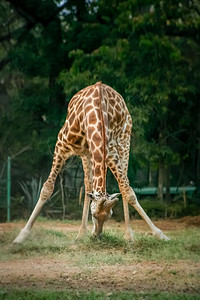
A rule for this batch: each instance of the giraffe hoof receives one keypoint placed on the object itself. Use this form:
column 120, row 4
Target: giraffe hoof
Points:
column 20, row 239
column 96, row 235
column 129, row 236
column 81, row 235
column 165, row 238
column 160, row 235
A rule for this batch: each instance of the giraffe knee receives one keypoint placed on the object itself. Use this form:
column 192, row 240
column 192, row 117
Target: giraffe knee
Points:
column 130, row 197
column 47, row 190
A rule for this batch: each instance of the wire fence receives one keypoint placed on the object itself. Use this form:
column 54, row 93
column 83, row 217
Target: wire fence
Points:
column 5, row 187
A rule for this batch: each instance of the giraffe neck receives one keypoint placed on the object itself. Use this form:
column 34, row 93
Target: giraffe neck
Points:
column 102, row 188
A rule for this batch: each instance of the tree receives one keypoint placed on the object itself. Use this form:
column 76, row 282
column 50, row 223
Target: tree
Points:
column 149, row 62
column 147, row 50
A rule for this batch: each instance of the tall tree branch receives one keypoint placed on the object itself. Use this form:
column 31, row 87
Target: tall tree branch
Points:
column 32, row 16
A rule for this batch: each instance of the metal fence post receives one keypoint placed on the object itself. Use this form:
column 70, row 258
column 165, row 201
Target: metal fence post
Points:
column 8, row 187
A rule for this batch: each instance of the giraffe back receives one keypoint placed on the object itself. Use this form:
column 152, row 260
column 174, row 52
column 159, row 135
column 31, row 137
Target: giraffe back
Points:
column 96, row 109
column 97, row 119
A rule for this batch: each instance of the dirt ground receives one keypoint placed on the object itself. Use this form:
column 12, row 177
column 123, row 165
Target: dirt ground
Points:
column 58, row 273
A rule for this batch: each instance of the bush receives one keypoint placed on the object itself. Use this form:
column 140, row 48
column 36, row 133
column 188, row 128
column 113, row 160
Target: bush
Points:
column 154, row 208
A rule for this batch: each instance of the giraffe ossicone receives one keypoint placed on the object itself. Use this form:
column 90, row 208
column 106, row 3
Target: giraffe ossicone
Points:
column 97, row 128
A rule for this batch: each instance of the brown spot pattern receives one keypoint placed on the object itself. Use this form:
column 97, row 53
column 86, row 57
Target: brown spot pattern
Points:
column 71, row 119
column 91, row 90
column 85, row 113
column 97, row 172
column 92, row 118
column 96, row 93
column 100, row 181
column 76, row 126
column 88, row 108
column 97, row 139
column 90, row 131
column 97, row 156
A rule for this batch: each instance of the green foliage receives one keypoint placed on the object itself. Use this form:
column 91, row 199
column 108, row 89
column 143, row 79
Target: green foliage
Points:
column 32, row 191
column 154, row 208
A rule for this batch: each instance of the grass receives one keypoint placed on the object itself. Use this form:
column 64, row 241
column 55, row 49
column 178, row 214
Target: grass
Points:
column 46, row 241
column 184, row 244
column 93, row 295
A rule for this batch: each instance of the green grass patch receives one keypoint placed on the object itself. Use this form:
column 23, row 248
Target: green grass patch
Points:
column 109, row 239
column 111, row 248
column 92, row 295
column 41, row 242
column 99, row 258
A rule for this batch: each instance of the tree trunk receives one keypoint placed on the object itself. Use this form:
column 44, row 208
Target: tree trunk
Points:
column 167, row 182
column 161, row 167
column 150, row 176
column 198, row 168
column 160, row 180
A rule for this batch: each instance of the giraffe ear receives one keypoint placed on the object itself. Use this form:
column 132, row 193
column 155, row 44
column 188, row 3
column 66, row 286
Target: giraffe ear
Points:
column 90, row 196
column 114, row 195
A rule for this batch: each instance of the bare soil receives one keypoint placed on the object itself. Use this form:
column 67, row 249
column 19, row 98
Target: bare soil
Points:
column 58, row 273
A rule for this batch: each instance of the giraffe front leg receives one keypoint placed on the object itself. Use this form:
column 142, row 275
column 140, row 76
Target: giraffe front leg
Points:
column 83, row 228
column 129, row 234
column 132, row 199
column 87, row 167
column 118, row 172
column 45, row 193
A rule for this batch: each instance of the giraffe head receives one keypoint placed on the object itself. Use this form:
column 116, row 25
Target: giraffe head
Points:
column 101, row 209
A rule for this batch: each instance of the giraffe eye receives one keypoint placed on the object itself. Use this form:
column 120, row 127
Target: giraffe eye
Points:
column 97, row 195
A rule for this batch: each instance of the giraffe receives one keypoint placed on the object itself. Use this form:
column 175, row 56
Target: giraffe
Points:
column 98, row 129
